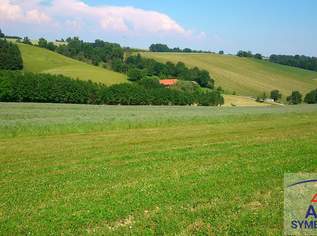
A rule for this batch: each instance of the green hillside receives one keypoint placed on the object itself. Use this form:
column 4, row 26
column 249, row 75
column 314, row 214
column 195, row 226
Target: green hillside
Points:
column 39, row 60
column 246, row 76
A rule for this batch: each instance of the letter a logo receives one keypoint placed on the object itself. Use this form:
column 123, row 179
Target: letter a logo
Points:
column 314, row 199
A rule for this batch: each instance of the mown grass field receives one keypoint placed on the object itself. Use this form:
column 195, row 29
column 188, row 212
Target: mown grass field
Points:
column 245, row 76
column 39, row 60
column 242, row 101
column 112, row 170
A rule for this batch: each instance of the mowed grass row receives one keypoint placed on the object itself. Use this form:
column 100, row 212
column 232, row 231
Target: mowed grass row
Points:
column 29, row 119
column 39, row 60
column 220, row 175
column 245, row 76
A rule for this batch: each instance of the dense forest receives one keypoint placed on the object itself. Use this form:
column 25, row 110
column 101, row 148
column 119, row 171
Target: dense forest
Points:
column 304, row 62
column 158, row 47
column 29, row 87
column 10, row 56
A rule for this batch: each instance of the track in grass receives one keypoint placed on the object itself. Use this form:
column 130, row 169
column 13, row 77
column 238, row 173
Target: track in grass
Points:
column 245, row 76
column 80, row 169
column 39, row 60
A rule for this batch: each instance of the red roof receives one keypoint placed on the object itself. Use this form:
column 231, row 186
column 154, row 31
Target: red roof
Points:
column 168, row 82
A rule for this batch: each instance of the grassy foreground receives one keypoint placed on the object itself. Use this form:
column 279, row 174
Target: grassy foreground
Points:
column 39, row 60
column 246, row 76
column 80, row 169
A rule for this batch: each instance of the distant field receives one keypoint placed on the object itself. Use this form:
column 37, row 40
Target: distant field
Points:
column 40, row 60
column 242, row 101
column 245, row 76
column 84, row 169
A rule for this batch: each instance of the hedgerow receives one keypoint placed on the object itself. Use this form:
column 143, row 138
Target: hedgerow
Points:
column 29, row 87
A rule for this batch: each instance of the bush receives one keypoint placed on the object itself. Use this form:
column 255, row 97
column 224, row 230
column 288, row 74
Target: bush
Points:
column 10, row 56
column 186, row 86
column 150, row 82
column 311, row 97
column 295, row 98
column 135, row 74
column 210, row 98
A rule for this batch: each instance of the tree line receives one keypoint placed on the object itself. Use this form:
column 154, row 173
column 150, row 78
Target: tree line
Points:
column 242, row 53
column 294, row 98
column 16, row 86
column 10, row 56
column 158, row 47
column 300, row 61
column 304, row 62
column 96, row 53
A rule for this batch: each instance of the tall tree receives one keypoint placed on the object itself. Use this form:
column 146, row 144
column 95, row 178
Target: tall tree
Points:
column 2, row 35
column 26, row 40
column 276, row 95
column 42, row 43
column 10, row 56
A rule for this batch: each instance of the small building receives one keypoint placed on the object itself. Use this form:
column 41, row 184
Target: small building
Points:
column 268, row 100
column 168, row 82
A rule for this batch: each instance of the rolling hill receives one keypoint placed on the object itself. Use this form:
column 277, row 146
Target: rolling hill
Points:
column 39, row 60
column 245, row 76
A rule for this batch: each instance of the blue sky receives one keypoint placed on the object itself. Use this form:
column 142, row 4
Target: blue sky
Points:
column 264, row 26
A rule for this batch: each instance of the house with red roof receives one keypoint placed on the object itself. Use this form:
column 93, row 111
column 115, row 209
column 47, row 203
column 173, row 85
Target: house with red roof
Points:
column 168, row 82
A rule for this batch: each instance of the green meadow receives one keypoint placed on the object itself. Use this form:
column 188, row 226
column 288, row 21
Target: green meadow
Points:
column 113, row 170
column 39, row 60
column 245, row 76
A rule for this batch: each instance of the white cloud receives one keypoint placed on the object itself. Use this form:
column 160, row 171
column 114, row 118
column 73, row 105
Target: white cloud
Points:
column 9, row 12
column 36, row 16
column 63, row 18
column 13, row 12
column 121, row 19
column 75, row 24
